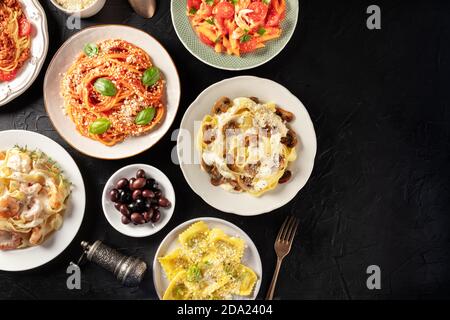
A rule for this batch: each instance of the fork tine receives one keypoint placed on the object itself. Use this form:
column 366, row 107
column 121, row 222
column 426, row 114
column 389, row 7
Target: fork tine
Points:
column 288, row 227
column 293, row 231
column 282, row 229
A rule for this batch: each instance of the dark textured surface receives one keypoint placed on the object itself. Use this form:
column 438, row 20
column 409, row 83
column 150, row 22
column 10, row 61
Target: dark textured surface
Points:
column 379, row 193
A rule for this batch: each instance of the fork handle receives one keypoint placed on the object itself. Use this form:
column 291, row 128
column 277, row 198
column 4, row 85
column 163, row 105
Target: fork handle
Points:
column 271, row 291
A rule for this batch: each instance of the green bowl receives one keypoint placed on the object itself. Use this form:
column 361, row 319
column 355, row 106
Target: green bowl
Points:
column 206, row 54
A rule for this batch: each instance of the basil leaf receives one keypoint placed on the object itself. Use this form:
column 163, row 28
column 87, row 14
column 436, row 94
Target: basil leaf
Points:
column 151, row 76
column 235, row 2
column 145, row 116
column 210, row 21
column 209, row 2
column 192, row 11
column 91, row 50
column 105, row 87
column 261, row 31
column 99, row 126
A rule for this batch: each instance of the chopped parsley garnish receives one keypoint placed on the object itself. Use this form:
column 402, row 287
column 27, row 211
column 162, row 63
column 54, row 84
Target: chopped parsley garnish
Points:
column 245, row 38
column 261, row 31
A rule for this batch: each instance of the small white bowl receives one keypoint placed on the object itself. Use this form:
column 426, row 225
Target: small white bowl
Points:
column 87, row 12
column 114, row 217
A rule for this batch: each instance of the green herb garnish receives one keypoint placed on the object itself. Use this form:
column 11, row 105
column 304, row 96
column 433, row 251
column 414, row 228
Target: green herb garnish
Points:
column 151, row 76
column 261, row 31
column 99, row 126
column 91, row 50
column 105, row 87
column 145, row 116
column 194, row 274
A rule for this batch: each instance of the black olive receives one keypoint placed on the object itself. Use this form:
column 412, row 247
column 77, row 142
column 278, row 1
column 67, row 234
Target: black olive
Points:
column 125, row 196
column 139, row 205
column 149, row 184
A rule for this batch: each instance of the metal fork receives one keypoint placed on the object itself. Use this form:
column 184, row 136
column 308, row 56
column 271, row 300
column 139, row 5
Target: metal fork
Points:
column 283, row 245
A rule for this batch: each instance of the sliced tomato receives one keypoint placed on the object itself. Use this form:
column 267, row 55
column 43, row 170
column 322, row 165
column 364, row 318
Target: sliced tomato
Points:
column 208, row 10
column 259, row 11
column 24, row 27
column 273, row 19
column 206, row 40
column 224, row 10
column 8, row 76
column 277, row 12
column 194, row 4
column 248, row 46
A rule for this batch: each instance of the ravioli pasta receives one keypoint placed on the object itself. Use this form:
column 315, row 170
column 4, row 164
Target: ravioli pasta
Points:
column 206, row 266
column 33, row 192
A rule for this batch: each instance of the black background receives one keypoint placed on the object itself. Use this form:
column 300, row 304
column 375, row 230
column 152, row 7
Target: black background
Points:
column 379, row 193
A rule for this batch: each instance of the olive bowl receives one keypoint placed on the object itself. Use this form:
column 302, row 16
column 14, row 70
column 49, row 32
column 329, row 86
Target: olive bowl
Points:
column 113, row 215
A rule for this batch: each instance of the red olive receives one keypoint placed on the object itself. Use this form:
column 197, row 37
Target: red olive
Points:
column 148, row 193
column 164, row 202
column 125, row 220
column 136, row 194
column 140, row 173
column 114, row 195
column 137, row 218
column 138, row 183
column 124, row 210
column 148, row 215
column 122, row 183
column 156, row 216
column 117, row 206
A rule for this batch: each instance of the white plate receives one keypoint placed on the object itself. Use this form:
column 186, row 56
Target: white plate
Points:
column 114, row 217
column 25, row 259
column 65, row 57
column 251, row 256
column 39, row 46
column 242, row 203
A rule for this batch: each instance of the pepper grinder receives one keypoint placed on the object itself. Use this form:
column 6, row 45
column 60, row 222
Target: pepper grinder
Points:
column 128, row 270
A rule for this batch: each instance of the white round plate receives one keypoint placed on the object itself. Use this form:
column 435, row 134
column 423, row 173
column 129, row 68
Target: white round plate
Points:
column 65, row 57
column 114, row 217
column 242, row 203
column 251, row 256
column 25, row 259
column 39, row 46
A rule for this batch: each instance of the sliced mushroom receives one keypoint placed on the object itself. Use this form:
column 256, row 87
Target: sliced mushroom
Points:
column 209, row 135
column 254, row 99
column 284, row 114
column 286, row 177
column 222, row 105
column 206, row 167
column 290, row 140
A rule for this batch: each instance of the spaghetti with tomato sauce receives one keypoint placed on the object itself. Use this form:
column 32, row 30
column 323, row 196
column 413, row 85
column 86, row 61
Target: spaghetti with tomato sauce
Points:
column 236, row 27
column 113, row 91
column 15, row 39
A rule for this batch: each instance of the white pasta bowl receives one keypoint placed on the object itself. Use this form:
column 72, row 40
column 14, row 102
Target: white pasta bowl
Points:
column 86, row 12
column 243, row 203
column 65, row 57
column 250, row 259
